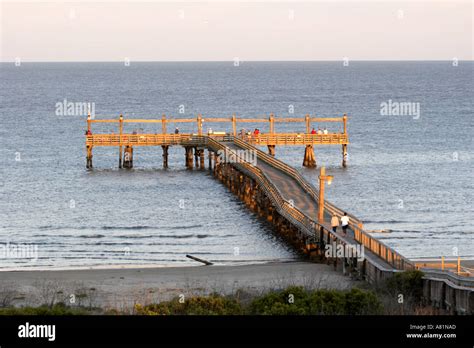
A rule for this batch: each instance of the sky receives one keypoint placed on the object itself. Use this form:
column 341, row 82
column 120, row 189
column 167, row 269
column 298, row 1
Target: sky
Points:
column 229, row 30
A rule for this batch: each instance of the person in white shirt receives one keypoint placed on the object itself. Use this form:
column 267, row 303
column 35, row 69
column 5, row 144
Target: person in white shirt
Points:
column 320, row 131
column 325, row 131
column 345, row 223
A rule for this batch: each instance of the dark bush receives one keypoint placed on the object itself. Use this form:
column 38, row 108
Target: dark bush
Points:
column 58, row 309
column 319, row 302
column 206, row 305
column 408, row 283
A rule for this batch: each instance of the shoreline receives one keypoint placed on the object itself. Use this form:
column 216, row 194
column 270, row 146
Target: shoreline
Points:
column 124, row 287
column 140, row 266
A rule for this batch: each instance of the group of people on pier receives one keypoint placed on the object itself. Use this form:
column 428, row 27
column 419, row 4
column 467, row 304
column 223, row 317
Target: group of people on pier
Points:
column 319, row 131
column 344, row 223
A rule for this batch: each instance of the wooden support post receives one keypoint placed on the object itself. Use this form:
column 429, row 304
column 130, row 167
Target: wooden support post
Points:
column 308, row 124
column 128, row 157
column 271, row 150
column 201, row 159
column 344, row 155
column 272, row 123
column 163, row 124
column 199, row 124
column 321, row 195
column 120, row 139
column 196, row 157
column 217, row 164
column 234, row 125
column 344, row 119
column 89, row 157
column 165, row 155
column 309, row 157
column 210, row 159
column 89, row 121
column 189, row 157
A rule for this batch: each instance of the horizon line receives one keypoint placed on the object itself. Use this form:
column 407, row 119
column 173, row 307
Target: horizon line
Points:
column 240, row 61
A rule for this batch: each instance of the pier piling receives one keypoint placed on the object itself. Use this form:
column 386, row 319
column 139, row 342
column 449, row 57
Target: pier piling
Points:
column 89, row 156
column 309, row 157
column 271, row 150
column 128, row 157
column 165, row 155
column 189, row 157
column 344, row 155
column 201, row 159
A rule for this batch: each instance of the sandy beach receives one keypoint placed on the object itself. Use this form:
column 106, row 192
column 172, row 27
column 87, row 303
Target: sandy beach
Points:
column 121, row 288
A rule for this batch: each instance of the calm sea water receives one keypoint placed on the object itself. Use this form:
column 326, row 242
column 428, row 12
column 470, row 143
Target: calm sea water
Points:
column 411, row 175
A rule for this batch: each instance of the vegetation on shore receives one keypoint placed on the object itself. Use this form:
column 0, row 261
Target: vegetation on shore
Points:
column 401, row 294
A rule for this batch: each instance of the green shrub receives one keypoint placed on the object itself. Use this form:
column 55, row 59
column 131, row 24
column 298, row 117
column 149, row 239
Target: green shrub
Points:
column 205, row 305
column 58, row 309
column 360, row 302
column 292, row 301
column 319, row 302
column 327, row 302
column 408, row 283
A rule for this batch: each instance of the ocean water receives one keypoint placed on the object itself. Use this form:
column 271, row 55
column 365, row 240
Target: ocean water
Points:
column 411, row 174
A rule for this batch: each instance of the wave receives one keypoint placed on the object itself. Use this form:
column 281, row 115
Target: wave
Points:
column 107, row 228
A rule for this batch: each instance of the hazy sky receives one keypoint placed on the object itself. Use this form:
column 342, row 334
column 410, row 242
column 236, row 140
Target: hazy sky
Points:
column 187, row 31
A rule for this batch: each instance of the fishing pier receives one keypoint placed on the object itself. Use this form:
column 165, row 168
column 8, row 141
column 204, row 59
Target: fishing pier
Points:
column 278, row 193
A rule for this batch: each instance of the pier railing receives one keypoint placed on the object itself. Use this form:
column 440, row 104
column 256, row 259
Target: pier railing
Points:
column 146, row 139
column 297, row 139
column 271, row 121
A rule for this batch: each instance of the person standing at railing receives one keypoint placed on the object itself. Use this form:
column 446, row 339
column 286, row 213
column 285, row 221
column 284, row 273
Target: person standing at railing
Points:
column 313, row 131
column 325, row 131
column 334, row 223
column 88, row 132
column 176, row 131
column 344, row 223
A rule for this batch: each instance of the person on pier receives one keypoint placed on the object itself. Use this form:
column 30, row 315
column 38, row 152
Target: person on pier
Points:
column 345, row 223
column 334, row 223
column 313, row 131
column 176, row 131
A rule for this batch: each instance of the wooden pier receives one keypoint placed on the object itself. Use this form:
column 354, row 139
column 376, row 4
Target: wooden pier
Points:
column 281, row 195
column 125, row 142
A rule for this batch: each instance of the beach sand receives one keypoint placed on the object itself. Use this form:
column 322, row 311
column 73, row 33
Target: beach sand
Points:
column 121, row 288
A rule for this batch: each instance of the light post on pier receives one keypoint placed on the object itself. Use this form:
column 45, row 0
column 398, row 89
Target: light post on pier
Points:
column 322, row 178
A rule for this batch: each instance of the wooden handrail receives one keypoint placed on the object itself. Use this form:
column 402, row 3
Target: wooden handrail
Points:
column 231, row 119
